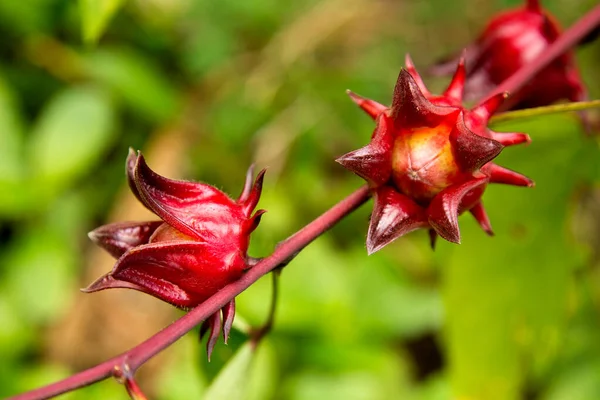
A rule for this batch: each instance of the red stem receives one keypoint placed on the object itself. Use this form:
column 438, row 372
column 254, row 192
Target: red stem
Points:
column 138, row 355
column 133, row 389
column 568, row 39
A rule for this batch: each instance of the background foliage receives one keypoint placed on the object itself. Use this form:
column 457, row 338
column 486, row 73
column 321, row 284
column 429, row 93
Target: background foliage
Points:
column 205, row 88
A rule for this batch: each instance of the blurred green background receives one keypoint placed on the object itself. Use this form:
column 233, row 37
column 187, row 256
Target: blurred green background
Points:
column 205, row 88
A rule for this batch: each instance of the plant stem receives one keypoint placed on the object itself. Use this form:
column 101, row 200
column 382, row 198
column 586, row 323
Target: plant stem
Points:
column 138, row 355
column 124, row 375
column 565, row 41
column 257, row 334
column 545, row 110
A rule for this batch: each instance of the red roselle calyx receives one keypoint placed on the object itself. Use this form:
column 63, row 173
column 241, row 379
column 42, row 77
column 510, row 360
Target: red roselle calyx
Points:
column 199, row 246
column 429, row 159
column 511, row 40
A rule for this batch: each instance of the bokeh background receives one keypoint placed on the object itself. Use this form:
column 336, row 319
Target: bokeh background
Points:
column 207, row 87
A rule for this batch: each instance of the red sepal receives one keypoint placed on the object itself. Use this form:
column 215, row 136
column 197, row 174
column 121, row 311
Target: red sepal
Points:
column 506, row 176
column 410, row 108
column 195, row 209
column 394, row 215
column 121, row 237
column 373, row 162
column 445, row 207
column 181, row 273
column 472, row 151
column 371, row 107
column 478, row 212
column 510, row 138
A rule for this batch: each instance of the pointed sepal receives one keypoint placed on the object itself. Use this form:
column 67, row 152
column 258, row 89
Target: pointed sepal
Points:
column 444, row 208
column 480, row 215
column 109, row 282
column 228, row 316
column 394, row 215
column 192, row 208
column 214, row 329
column 510, row 138
column 181, row 273
column 248, row 184
column 373, row 162
column 410, row 108
column 506, row 176
column 455, row 89
column 130, row 164
column 410, row 67
column 250, row 200
column 371, row 107
column 471, row 150
column 432, row 238
column 254, row 221
column 486, row 109
column 120, row 237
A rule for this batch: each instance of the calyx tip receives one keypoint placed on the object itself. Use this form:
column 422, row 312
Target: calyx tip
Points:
column 371, row 107
column 454, row 92
column 489, row 106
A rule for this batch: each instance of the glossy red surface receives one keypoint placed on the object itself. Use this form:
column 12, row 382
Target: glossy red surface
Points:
column 511, row 40
column 429, row 159
column 199, row 246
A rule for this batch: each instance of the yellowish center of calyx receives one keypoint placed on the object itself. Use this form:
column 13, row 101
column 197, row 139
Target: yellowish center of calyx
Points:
column 423, row 163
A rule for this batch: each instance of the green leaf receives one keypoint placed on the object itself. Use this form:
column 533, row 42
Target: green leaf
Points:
column 15, row 335
column 232, row 380
column 73, row 132
column 39, row 271
column 12, row 134
column 26, row 17
column 136, row 80
column 182, row 378
column 95, row 16
column 40, row 262
column 580, row 382
column 335, row 369
column 506, row 297
column 11, row 153
column 248, row 375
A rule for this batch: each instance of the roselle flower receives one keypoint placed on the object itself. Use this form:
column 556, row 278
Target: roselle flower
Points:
column 511, row 40
column 199, row 245
column 429, row 159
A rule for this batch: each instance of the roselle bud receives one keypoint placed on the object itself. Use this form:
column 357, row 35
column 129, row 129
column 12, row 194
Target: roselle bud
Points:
column 511, row 40
column 199, row 246
column 429, row 159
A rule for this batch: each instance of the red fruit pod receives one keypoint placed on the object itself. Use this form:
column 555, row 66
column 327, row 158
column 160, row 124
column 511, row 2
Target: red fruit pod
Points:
column 509, row 41
column 199, row 246
column 429, row 159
